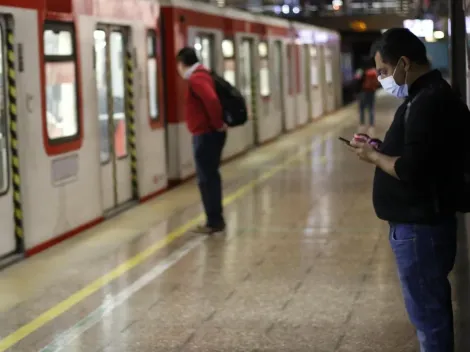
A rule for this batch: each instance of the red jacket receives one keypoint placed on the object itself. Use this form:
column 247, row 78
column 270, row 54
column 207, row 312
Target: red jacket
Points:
column 370, row 83
column 203, row 112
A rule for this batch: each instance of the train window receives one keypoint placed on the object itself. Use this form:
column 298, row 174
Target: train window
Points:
column 246, row 70
column 263, row 49
column 102, row 91
column 298, row 69
column 263, row 52
column 328, row 66
column 228, row 51
column 4, row 174
column 58, row 42
column 290, row 67
column 313, row 66
column 152, row 74
column 204, row 49
column 61, row 82
column 117, row 54
column 278, row 73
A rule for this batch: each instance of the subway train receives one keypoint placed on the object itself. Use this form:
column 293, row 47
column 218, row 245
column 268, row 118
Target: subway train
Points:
column 92, row 105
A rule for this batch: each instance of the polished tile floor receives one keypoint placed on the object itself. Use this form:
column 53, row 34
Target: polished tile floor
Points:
column 304, row 265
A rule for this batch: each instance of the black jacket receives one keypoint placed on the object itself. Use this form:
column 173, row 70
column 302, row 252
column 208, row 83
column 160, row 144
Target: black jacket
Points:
column 430, row 155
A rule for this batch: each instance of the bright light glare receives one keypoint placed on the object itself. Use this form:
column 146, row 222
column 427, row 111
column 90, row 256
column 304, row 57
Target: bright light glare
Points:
column 420, row 28
column 438, row 34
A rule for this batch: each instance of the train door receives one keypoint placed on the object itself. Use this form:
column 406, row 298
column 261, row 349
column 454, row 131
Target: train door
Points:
column 7, row 232
column 307, row 85
column 322, row 78
column 248, row 84
column 111, row 47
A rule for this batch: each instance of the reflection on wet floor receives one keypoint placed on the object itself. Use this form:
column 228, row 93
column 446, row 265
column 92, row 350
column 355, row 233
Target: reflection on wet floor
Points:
column 304, row 266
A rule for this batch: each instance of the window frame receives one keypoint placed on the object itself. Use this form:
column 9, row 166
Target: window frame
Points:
column 212, row 55
column 68, row 26
column 6, row 97
column 152, row 34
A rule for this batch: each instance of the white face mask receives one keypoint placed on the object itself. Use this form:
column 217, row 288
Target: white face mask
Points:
column 391, row 87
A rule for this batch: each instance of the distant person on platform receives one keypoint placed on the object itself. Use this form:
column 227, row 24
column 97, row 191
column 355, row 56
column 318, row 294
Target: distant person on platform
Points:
column 203, row 115
column 419, row 181
column 367, row 84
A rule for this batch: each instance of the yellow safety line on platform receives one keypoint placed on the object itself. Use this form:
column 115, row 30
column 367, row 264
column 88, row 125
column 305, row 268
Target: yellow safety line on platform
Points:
column 96, row 285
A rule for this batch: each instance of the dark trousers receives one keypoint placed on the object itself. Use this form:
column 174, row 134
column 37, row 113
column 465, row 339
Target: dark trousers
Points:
column 207, row 150
column 425, row 255
column 367, row 102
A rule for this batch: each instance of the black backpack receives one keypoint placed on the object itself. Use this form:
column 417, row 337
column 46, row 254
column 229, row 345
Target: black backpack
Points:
column 463, row 198
column 232, row 101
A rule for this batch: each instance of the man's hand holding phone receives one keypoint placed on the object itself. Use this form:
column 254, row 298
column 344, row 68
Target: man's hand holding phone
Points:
column 363, row 148
column 365, row 151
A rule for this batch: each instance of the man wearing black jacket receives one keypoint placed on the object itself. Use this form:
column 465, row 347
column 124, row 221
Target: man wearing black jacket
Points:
column 417, row 182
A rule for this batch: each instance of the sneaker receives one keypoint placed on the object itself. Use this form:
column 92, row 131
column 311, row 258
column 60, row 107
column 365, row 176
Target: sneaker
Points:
column 206, row 230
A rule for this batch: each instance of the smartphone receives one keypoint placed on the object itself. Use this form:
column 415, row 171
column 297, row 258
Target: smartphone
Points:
column 344, row 140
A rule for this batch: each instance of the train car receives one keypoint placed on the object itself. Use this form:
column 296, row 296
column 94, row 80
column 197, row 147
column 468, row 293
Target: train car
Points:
column 91, row 119
column 86, row 136
column 277, row 65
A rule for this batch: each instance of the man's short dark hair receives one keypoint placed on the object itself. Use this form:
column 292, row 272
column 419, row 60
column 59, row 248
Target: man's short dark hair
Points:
column 399, row 42
column 187, row 56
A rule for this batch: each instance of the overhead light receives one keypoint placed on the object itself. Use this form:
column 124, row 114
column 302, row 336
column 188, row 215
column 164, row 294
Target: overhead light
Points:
column 430, row 39
column 358, row 26
column 285, row 9
column 439, row 34
column 296, row 10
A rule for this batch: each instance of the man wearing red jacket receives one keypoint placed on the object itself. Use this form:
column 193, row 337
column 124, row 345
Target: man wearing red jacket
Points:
column 203, row 115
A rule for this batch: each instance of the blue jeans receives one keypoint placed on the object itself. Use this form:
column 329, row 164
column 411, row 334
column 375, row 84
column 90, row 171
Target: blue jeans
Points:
column 207, row 150
column 367, row 101
column 425, row 255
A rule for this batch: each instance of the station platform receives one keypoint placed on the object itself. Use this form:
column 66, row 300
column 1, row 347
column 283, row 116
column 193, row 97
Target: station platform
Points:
column 303, row 266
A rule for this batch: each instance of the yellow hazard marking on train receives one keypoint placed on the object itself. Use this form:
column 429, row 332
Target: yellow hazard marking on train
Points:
column 15, row 163
column 131, row 123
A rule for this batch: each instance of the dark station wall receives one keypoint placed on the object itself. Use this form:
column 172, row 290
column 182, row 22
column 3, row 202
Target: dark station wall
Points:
column 355, row 47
